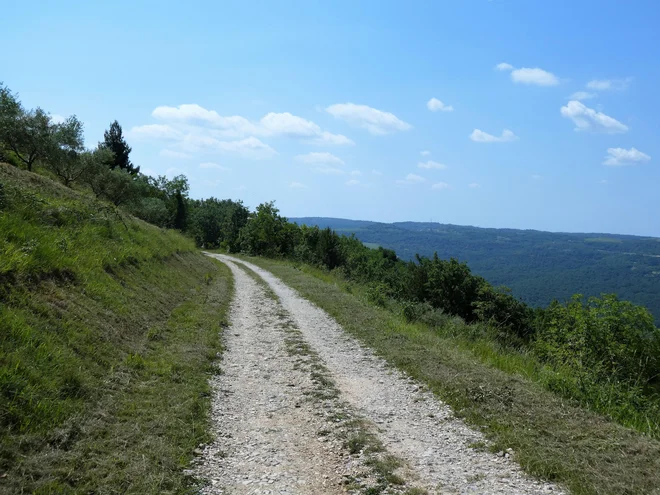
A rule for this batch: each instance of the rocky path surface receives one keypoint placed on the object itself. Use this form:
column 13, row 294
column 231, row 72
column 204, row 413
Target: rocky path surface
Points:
column 296, row 390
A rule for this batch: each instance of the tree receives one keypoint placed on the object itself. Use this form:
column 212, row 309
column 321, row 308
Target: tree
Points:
column 64, row 157
column 27, row 134
column 114, row 141
column 117, row 186
column 10, row 112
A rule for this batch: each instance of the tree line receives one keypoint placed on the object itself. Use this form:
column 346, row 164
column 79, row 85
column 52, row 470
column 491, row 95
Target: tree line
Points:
column 599, row 341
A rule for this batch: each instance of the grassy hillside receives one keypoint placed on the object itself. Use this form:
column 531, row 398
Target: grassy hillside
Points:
column 537, row 266
column 109, row 329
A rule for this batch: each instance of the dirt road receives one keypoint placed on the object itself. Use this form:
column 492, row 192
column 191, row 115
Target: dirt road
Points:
column 302, row 407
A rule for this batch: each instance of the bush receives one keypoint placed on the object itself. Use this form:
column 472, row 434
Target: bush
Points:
column 604, row 338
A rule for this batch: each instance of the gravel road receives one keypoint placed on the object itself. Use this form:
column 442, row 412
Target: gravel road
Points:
column 277, row 433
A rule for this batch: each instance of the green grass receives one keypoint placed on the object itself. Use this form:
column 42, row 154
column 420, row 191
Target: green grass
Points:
column 494, row 390
column 110, row 328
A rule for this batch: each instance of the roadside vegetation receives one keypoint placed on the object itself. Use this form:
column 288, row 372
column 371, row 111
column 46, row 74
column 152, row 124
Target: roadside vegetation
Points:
column 498, row 390
column 110, row 327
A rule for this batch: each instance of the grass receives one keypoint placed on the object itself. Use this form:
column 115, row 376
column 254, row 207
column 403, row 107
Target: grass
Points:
column 110, row 329
column 552, row 437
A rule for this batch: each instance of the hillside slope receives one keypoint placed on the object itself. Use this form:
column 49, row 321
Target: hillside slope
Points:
column 109, row 327
column 537, row 266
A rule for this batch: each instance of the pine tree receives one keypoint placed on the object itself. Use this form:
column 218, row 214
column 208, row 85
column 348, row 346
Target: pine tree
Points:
column 114, row 141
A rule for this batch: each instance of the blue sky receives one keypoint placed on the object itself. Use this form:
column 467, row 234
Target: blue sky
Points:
column 522, row 114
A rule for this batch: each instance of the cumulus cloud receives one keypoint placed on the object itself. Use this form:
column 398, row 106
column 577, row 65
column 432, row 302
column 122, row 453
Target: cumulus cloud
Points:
column 377, row 122
column 215, row 166
column 297, row 185
column 425, row 153
column 474, row 185
column 504, row 66
column 588, row 119
column 527, row 75
column 436, row 105
column 316, row 158
column 609, row 84
column 582, row 95
column 440, row 185
column 619, row 157
column 431, row 164
column 479, row 136
column 411, row 179
column 376, row 172
column 57, row 118
column 355, row 173
column 352, row 182
column 192, row 128
column 535, row 76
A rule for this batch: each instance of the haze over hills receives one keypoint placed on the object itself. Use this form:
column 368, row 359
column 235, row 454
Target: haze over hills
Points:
column 538, row 266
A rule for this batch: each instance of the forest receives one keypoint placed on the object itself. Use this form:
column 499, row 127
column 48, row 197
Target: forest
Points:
column 539, row 267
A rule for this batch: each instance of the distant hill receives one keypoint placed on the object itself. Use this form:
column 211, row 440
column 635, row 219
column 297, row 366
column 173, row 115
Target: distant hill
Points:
column 537, row 266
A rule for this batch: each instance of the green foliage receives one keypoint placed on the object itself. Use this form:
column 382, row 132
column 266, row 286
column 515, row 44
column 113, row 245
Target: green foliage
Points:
column 217, row 223
column 113, row 140
column 603, row 339
column 266, row 233
column 65, row 158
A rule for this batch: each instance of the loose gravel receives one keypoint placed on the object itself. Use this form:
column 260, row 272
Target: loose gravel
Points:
column 274, row 437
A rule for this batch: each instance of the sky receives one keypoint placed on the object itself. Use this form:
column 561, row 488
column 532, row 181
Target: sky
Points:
column 504, row 113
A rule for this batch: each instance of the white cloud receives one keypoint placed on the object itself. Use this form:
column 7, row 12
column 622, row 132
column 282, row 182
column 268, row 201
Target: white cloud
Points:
column 479, row 136
column 619, row 157
column 352, row 182
column 173, row 171
column 57, row 118
column 297, row 185
column 202, row 124
column 589, row 119
column 214, row 165
column 535, row 76
column 582, row 95
column 610, row 84
column 375, row 121
column 322, row 157
column 440, row 186
column 328, row 138
column 329, row 171
column 425, row 153
column 355, row 173
column 248, row 146
column 527, row 75
column 376, row 172
column 432, row 164
column 474, row 185
column 504, row 66
column 173, row 154
column 436, row 105
column 411, row 179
